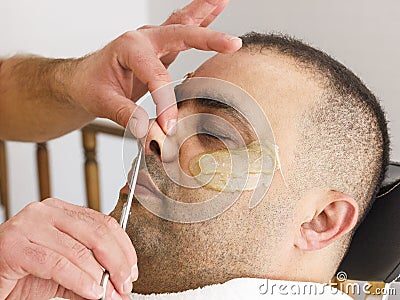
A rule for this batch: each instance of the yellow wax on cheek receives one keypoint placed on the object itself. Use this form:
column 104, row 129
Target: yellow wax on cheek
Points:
column 234, row 170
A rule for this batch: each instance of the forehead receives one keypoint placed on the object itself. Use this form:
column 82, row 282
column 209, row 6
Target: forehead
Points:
column 281, row 88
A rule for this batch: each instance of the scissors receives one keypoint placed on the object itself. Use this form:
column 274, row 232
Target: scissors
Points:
column 126, row 210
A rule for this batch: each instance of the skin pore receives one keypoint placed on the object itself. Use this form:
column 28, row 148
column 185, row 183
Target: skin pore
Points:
column 287, row 236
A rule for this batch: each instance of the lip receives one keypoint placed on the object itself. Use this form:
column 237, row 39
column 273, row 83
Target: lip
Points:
column 145, row 186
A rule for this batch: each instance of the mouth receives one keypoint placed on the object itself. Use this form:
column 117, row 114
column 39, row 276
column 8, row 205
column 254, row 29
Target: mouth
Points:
column 145, row 187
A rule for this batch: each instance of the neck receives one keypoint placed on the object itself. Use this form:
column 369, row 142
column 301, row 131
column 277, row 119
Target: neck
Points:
column 162, row 276
column 191, row 269
column 313, row 266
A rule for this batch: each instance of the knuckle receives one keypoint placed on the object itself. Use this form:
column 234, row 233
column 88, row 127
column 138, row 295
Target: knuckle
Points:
column 81, row 252
column 36, row 255
column 60, row 265
column 102, row 232
column 34, row 207
column 181, row 17
column 50, row 201
column 159, row 75
column 12, row 227
column 144, row 27
column 213, row 2
column 121, row 272
column 128, row 36
column 82, row 214
column 107, row 227
column 120, row 115
column 61, row 238
column 110, row 222
column 32, row 211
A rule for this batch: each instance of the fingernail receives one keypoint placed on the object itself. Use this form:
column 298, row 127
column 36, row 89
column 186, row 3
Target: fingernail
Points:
column 97, row 290
column 132, row 126
column 171, row 127
column 127, row 286
column 115, row 296
column 233, row 38
column 134, row 273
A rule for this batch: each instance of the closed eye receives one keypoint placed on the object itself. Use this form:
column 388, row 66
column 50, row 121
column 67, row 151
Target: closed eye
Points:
column 217, row 136
column 211, row 141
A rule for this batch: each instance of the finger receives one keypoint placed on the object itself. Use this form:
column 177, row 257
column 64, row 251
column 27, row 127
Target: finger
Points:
column 127, row 114
column 197, row 12
column 92, row 216
column 109, row 243
column 166, row 108
column 47, row 264
column 38, row 288
column 172, row 38
column 142, row 59
column 211, row 17
column 130, row 115
column 111, row 292
column 63, row 244
column 67, row 294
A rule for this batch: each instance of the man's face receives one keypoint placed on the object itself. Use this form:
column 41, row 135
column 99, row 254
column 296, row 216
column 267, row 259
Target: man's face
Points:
column 241, row 241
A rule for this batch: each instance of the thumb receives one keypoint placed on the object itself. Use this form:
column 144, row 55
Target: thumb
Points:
column 128, row 114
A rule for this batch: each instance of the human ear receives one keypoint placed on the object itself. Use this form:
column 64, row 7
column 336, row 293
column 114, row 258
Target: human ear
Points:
column 336, row 216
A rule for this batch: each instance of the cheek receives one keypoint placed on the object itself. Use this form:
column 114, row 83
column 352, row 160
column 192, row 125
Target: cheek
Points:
column 188, row 150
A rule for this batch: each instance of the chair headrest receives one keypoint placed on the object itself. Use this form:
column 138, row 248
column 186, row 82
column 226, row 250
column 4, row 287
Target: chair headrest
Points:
column 374, row 253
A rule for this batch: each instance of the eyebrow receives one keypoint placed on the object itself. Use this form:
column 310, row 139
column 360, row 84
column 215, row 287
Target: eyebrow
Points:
column 228, row 110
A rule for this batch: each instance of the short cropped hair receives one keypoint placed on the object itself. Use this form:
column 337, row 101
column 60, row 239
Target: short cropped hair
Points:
column 344, row 142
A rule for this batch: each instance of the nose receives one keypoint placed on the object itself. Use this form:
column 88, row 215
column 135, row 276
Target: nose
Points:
column 159, row 144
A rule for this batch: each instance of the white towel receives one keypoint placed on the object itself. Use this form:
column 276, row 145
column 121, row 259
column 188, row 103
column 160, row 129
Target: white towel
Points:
column 253, row 289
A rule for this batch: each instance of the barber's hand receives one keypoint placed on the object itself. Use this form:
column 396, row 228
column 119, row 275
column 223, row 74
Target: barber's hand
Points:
column 108, row 82
column 44, row 253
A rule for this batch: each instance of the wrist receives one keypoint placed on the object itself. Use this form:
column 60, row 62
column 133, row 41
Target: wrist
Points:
column 62, row 81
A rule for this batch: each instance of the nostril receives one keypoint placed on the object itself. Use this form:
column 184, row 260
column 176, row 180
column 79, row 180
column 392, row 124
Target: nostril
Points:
column 154, row 147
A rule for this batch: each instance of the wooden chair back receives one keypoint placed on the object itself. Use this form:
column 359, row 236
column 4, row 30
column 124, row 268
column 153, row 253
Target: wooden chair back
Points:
column 89, row 133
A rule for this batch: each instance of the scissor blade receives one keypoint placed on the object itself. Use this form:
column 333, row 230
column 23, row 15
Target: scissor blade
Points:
column 125, row 211
column 127, row 206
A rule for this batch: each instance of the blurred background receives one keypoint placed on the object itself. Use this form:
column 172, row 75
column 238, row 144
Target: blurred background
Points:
column 362, row 34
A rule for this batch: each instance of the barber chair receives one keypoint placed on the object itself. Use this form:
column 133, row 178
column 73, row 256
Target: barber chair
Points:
column 374, row 253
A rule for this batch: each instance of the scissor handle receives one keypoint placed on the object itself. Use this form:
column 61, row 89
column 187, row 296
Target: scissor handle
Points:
column 103, row 283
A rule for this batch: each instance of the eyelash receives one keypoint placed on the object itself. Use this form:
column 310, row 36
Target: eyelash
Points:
column 214, row 135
